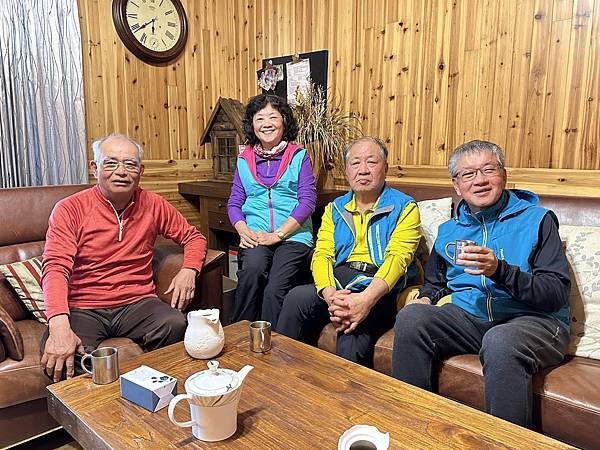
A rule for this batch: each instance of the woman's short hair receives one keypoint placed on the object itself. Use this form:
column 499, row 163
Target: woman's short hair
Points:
column 255, row 104
column 474, row 147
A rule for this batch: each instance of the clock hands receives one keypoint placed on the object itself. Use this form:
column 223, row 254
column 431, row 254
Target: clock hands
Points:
column 146, row 24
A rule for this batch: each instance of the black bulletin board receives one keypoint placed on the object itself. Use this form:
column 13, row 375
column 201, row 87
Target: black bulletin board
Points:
column 318, row 69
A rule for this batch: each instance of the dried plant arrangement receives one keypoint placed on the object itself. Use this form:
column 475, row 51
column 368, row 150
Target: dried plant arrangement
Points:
column 323, row 127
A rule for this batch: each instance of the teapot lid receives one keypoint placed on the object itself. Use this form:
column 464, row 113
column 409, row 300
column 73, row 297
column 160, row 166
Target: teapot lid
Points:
column 214, row 381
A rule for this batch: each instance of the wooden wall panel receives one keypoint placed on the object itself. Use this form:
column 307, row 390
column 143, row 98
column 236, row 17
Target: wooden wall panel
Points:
column 424, row 76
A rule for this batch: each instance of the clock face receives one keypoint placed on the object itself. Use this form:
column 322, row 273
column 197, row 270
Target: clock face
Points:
column 154, row 23
column 153, row 30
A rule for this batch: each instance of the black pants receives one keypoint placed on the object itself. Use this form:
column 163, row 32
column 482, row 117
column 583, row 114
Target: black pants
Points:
column 510, row 352
column 304, row 315
column 267, row 275
column 149, row 322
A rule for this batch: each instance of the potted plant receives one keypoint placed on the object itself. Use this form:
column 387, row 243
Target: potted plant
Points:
column 323, row 129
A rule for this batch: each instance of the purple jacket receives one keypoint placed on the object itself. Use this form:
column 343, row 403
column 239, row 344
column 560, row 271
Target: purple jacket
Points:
column 266, row 170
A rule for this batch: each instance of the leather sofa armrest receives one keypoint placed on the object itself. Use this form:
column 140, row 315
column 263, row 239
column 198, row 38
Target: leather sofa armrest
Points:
column 2, row 352
column 167, row 261
column 10, row 338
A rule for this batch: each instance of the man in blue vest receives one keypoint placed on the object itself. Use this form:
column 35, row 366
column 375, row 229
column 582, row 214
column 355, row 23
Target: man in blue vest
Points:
column 363, row 256
column 509, row 289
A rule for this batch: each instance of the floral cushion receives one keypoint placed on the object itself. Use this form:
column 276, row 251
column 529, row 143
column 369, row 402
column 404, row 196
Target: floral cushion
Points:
column 25, row 277
column 433, row 214
column 582, row 245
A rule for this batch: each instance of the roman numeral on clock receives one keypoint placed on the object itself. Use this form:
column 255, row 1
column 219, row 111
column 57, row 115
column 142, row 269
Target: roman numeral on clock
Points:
column 135, row 27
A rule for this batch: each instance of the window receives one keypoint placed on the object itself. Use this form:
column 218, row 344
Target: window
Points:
column 225, row 154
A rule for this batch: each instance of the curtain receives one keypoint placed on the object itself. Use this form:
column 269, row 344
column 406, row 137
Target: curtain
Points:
column 42, row 117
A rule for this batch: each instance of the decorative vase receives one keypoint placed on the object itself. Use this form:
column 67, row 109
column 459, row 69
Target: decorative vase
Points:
column 204, row 337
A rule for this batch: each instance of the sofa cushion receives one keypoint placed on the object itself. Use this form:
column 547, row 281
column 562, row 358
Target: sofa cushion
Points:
column 11, row 338
column 10, row 254
column 433, row 213
column 583, row 252
column 25, row 277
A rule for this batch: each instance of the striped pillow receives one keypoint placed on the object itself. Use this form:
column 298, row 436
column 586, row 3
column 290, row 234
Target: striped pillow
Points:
column 26, row 279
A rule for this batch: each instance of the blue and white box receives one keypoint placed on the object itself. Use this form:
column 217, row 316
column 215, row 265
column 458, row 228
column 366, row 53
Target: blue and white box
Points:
column 148, row 388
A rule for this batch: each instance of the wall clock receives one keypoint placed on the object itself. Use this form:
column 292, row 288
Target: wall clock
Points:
column 153, row 30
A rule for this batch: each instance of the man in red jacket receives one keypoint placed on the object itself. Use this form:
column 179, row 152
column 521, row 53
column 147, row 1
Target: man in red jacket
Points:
column 97, row 262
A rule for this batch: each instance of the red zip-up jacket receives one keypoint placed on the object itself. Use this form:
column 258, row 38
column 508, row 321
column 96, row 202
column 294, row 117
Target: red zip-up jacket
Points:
column 94, row 259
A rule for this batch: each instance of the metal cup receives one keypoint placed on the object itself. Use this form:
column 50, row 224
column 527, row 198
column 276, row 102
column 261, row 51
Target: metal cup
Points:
column 105, row 365
column 260, row 336
column 459, row 244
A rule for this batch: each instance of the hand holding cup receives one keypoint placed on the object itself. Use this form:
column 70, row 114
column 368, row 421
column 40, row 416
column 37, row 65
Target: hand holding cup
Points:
column 480, row 260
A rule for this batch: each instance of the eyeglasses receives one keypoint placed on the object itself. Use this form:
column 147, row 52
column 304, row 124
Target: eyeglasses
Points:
column 111, row 165
column 470, row 174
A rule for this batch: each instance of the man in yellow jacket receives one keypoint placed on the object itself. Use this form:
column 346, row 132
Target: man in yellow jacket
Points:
column 364, row 254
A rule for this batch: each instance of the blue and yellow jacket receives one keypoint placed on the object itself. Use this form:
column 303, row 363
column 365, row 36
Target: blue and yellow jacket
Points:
column 390, row 208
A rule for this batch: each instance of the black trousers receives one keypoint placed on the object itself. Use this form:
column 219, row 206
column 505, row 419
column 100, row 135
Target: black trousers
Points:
column 149, row 322
column 267, row 275
column 510, row 351
column 304, row 314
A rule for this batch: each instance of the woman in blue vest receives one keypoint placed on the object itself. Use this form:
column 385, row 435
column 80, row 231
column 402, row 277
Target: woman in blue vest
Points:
column 272, row 198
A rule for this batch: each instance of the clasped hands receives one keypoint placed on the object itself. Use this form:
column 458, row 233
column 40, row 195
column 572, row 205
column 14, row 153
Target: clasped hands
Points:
column 251, row 239
column 346, row 309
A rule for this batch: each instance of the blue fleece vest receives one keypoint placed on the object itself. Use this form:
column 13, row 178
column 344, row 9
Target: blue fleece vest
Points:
column 382, row 224
column 267, row 207
column 510, row 228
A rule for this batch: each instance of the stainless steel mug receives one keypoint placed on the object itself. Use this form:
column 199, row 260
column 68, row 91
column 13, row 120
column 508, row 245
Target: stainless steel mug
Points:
column 458, row 248
column 105, row 365
column 260, row 336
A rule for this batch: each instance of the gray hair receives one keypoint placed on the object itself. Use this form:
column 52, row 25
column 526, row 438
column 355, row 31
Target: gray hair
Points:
column 382, row 148
column 472, row 147
column 97, row 143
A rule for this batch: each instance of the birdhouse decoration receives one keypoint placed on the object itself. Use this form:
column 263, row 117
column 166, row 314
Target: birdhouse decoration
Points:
column 224, row 133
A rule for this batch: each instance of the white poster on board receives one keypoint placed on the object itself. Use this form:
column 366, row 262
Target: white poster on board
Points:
column 298, row 77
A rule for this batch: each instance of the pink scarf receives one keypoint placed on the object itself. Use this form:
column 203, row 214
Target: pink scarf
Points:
column 268, row 154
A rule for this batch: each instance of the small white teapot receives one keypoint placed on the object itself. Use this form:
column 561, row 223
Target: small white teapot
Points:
column 213, row 396
column 204, row 337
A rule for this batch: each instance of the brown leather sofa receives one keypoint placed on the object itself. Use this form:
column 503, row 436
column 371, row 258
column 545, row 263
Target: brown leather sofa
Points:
column 24, row 216
column 566, row 398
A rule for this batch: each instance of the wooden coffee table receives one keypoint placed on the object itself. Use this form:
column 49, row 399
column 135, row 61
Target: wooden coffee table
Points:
column 297, row 397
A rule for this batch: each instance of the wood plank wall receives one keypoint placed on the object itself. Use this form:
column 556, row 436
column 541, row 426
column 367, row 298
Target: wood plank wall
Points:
column 424, row 76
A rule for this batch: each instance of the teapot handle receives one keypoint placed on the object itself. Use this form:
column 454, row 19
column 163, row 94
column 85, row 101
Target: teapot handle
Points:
column 171, row 411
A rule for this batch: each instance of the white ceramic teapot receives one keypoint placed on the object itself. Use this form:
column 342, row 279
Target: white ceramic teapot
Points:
column 204, row 337
column 213, row 396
